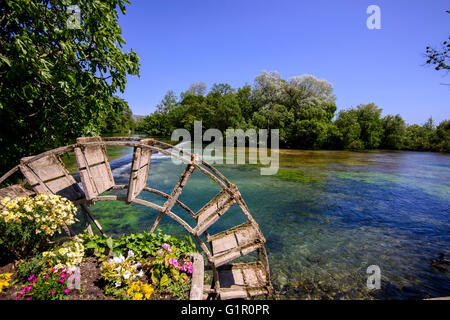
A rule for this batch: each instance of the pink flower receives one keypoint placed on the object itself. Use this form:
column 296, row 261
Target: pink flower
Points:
column 53, row 270
column 173, row 262
column 34, row 281
column 23, row 290
column 166, row 246
column 29, row 288
column 31, row 277
column 53, row 292
column 28, row 299
column 61, row 280
column 46, row 276
column 18, row 296
column 66, row 291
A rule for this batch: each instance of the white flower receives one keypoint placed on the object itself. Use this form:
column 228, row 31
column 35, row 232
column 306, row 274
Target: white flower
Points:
column 118, row 284
column 126, row 274
column 140, row 274
column 120, row 259
column 130, row 254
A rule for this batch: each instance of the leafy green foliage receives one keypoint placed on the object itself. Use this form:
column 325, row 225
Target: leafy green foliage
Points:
column 302, row 108
column 143, row 244
column 119, row 119
column 56, row 82
column 439, row 58
column 34, row 265
column 163, row 258
column 178, row 289
column 394, row 129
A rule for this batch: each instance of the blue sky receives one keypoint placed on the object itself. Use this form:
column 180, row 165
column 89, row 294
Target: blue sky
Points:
column 233, row 41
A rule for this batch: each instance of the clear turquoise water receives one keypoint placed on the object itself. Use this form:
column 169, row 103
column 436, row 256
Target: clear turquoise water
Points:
column 327, row 216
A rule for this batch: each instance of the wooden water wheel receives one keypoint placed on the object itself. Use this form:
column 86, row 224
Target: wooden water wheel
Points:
column 46, row 173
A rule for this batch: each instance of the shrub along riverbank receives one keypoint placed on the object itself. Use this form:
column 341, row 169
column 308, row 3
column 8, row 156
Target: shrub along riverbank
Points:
column 304, row 110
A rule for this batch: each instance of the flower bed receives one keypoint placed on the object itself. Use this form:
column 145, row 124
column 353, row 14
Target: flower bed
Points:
column 141, row 266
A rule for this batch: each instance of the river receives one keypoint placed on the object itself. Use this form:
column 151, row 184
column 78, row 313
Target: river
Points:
column 326, row 215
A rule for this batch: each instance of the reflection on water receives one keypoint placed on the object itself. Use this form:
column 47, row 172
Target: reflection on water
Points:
column 327, row 216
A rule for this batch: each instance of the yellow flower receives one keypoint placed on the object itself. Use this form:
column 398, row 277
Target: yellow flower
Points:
column 138, row 296
column 4, row 280
column 5, row 200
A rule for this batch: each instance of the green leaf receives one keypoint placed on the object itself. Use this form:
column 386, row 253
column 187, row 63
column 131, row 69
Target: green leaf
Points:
column 165, row 281
column 154, row 278
column 109, row 243
column 5, row 60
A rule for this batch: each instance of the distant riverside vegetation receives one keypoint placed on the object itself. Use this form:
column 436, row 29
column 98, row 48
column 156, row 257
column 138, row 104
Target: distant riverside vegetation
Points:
column 304, row 110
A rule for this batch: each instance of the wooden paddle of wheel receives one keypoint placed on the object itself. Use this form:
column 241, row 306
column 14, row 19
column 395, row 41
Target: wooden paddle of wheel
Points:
column 46, row 173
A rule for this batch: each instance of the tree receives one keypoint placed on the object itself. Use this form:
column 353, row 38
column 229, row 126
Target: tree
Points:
column 307, row 90
column 119, row 119
column 439, row 58
column 416, row 138
column 157, row 124
column 270, row 89
column 349, row 128
column 394, row 129
column 244, row 99
column 311, row 133
column 192, row 108
column 57, row 82
column 195, row 89
column 278, row 117
column 224, row 106
column 443, row 134
column 167, row 103
column 371, row 126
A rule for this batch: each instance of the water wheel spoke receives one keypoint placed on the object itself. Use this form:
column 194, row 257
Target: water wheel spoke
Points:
column 233, row 243
column 242, row 279
column 212, row 211
column 170, row 202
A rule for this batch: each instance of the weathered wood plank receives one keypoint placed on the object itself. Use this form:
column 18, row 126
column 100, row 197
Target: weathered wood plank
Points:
column 14, row 191
column 197, row 277
column 95, row 172
column 48, row 175
column 212, row 211
column 139, row 169
column 231, row 244
column 235, row 279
